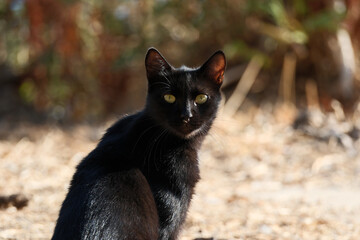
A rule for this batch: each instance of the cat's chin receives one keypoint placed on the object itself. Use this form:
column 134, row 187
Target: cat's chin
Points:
column 188, row 135
column 194, row 133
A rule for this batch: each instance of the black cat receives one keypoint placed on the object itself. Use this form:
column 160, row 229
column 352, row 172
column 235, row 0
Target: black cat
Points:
column 138, row 182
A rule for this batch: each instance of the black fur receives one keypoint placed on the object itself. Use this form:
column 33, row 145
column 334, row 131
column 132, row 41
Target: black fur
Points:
column 138, row 182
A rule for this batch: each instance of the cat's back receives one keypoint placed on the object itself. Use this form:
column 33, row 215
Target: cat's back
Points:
column 113, row 203
column 107, row 191
column 106, row 210
column 111, row 154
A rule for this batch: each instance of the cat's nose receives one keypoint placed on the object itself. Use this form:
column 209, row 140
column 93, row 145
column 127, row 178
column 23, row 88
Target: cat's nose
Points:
column 186, row 120
column 186, row 116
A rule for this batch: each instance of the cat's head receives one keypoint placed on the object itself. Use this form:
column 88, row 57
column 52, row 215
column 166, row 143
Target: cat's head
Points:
column 184, row 100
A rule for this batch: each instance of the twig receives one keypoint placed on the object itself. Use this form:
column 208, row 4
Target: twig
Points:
column 244, row 86
column 233, row 74
column 312, row 95
column 348, row 63
column 17, row 200
column 287, row 85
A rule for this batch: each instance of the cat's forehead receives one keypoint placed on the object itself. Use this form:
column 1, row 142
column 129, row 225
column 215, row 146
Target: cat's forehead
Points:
column 186, row 68
column 184, row 73
column 183, row 78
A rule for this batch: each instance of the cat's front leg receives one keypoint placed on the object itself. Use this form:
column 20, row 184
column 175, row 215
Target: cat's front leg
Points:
column 172, row 209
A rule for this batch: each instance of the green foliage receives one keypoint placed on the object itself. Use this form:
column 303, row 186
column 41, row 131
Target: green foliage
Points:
column 240, row 49
column 328, row 20
column 27, row 91
column 88, row 49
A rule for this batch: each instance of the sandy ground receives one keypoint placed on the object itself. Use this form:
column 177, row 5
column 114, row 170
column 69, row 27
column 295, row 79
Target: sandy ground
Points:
column 260, row 180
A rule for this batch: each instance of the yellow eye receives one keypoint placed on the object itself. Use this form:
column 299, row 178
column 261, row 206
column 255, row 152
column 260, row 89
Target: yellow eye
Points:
column 201, row 98
column 169, row 98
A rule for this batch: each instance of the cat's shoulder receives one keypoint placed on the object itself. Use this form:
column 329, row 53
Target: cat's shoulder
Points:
column 124, row 123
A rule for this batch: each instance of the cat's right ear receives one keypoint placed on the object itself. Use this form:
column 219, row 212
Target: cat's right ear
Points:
column 214, row 68
column 155, row 64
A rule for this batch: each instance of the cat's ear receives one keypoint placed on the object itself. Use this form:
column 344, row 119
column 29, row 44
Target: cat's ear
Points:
column 155, row 63
column 214, row 67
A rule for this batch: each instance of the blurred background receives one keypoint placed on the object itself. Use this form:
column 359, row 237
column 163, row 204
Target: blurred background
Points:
column 282, row 160
column 69, row 60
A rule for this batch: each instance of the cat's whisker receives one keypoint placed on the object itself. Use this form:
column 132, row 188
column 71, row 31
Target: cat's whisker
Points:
column 146, row 161
column 168, row 81
column 161, row 136
column 164, row 83
column 148, row 152
column 142, row 134
column 153, row 146
column 226, row 121
column 216, row 139
column 167, row 85
column 147, row 156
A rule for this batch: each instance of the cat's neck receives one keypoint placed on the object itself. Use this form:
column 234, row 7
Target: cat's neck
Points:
column 166, row 154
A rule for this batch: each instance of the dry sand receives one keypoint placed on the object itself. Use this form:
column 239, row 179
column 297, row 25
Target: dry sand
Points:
column 260, row 180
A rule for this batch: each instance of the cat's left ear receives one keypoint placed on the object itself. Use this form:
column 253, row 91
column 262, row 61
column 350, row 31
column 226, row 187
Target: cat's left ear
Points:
column 155, row 64
column 214, row 67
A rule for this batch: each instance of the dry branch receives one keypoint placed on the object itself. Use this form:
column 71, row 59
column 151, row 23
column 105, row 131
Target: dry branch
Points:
column 244, row 86
column 287, row 85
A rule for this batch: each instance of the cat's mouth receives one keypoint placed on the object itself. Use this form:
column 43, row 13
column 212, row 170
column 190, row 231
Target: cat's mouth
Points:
column 186, row 130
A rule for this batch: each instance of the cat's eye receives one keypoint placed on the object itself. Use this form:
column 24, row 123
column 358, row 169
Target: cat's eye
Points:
column 201, row 98
column 169, row 98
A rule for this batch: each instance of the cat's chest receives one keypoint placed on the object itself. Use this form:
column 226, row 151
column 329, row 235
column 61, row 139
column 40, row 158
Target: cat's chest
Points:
column 172, row 200
column 173, row 176
column 177, row 167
